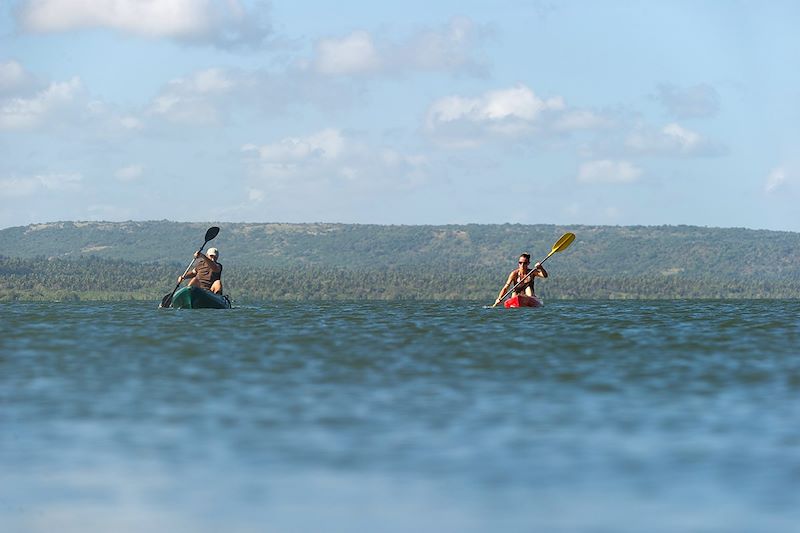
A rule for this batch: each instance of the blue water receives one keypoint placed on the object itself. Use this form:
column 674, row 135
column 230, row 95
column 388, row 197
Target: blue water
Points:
column 611, row 416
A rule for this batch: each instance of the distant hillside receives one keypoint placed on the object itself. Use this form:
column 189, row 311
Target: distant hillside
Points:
column 598, row 251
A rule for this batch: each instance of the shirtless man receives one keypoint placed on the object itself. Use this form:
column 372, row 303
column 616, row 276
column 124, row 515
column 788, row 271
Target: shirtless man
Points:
column 525, row 289
column 207, row 274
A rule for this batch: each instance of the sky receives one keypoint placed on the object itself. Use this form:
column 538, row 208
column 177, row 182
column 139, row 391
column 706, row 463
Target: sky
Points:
column 416, row 112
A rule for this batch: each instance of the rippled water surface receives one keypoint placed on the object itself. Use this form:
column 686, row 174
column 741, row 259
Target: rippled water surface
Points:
column 398, row 417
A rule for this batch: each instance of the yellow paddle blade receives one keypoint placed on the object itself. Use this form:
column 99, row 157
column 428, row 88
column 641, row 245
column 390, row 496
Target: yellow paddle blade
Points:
column 563, row 242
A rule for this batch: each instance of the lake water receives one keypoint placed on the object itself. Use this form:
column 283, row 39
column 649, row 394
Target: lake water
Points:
column 618, row 416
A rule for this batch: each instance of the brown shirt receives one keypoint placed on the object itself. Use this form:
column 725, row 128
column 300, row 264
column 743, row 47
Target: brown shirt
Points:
column 205, row 276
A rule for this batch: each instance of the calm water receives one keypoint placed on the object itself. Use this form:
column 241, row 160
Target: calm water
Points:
column 401, row 417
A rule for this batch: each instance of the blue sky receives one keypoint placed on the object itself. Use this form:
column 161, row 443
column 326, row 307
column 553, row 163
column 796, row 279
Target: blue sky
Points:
column 568, row 112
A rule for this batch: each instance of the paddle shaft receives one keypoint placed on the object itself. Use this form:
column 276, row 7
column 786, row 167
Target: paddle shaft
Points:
column 187, row 269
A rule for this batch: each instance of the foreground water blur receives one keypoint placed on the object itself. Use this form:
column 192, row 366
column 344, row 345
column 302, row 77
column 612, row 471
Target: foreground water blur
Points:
column 401, row 416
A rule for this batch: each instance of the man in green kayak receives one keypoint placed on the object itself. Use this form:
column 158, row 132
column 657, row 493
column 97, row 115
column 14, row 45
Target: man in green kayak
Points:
column 522, row 274
column 207, row 273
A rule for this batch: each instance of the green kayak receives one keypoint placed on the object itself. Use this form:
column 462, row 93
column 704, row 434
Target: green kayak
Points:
column 197, row 298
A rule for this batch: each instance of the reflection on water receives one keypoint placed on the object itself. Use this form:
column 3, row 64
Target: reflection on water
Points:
column 599, row 416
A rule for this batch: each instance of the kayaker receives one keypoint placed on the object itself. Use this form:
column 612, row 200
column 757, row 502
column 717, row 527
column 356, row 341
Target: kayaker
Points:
column 207, row 273
column 525, row 290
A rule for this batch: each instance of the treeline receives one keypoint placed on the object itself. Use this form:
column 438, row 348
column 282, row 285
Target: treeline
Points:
column 86, row 279
column 106, row 279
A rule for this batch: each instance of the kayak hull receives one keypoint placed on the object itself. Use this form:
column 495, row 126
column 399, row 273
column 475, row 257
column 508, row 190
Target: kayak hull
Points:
column 523, row 301
column 197, row 298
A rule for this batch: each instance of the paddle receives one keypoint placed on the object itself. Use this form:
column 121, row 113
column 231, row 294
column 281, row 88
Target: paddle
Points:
column 210, row 234
column 560, row 245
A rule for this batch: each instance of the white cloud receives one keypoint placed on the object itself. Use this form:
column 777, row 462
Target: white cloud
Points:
column 514, row 112
column 685, row 140
column 130, row 123
column 672, row 140
column 329, row 156
column 581, row 120
column 13, row 77
column 518, row 102
column 223, row 23
column 780, row 180
column 255, row 195
column 775, row 180
column 698, row 101
column 256, row 91
column 23, row 113
column 195, row 99
column 447, row 49
column 608, row 171
column 62, row 107
column 99, row 120
column 292, row 155
column 31, row 185
column 353, row 54
column 129, row 173
column 451, row 49
column 208, row 81
column 168, row 18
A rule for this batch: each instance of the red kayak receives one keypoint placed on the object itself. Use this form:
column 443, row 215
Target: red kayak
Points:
column 522, row 300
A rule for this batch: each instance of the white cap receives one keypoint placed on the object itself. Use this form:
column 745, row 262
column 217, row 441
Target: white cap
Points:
column 212, row 251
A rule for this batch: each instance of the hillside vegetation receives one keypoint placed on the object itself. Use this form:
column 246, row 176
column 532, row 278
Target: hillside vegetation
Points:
column 105, row 260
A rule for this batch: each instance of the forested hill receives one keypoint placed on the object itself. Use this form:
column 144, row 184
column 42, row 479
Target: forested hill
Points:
column 617, row 251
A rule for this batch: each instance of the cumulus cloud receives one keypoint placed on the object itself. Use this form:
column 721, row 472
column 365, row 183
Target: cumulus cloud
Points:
column 222, row 23
column 698, row 101
column 775, row 180
column 331, row 156
column 130, row 122
column 30, row 112
column 782, row 179
column 507, row 113
column 18, row 187
column 581, row 119
column 210, row 97
column 672, row 140
column 129, row 173
column 65, row 107
column 516, row 103
column 291, row 153
column 451, row 49
column 194, row 99
column 14, row 78
column 255, row 196
column 107, row 120
column 353, row 54
column 608, row 171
